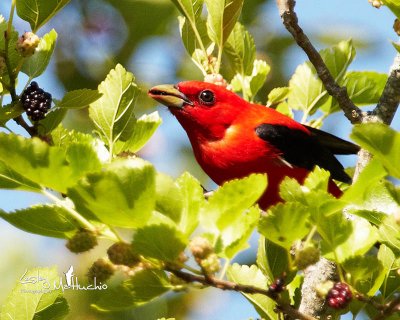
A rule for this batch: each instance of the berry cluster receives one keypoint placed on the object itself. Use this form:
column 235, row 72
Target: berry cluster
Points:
column 339, row 296
column 35, row 101
column 27, row 44
column 277, row 286
column 101, row 270
column 122, row 253
column 83, row 240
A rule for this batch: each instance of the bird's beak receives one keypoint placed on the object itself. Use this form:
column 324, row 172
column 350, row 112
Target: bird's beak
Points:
column 169, row 95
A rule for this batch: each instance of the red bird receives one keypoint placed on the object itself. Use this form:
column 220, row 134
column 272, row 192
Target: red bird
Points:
column 232, row 138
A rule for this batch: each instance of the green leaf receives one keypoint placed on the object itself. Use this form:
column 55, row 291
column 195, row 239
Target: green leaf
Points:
column 48, row 166
column 38, row 12
column 387, row 259
column 141, row 130
column 241, row 50
column 338, row 58
column 394, row 6
column 33, row 294
column 382, row 141
column 9, row 179
column 112, row 114
column 57, row 311
column 222, row 17
column 306, row 89
column 193, row 200
column 285, row 223
column 365, row 273
column 251, row 84
column 161, row 242
column 36, row 64
column 122, row 194
column 169, row 200
column 361, row 239
column 51, row 121
column 115, row 299
column 235, row 237
column 277, row 95
column 365, row 87
column 46, row 220
column 389, row 233
column 253, row 276
column 396, row 46
column 307, row 92
column 9, row 112
column 229, row 201
column 272, row 259
column 191, row 9
column 77, row 99
column 146, row 285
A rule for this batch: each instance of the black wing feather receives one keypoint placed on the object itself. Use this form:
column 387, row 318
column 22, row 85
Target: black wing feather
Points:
column 308, row 150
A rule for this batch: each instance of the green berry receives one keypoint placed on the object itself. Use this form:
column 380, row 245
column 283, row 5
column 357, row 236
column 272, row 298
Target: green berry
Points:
column 306, row 256
column 210, row 264
column 101, row 270
column 83, row 240
column 201, row 248
column 122, row 253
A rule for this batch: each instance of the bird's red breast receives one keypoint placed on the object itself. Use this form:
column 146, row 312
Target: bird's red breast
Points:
column 232, row 138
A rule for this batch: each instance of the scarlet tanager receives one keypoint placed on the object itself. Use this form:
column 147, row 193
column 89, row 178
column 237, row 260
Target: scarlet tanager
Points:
column 232, row 138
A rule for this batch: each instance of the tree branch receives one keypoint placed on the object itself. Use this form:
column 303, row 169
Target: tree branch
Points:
column 232, row 286
column 390, row 98
column 289, row 18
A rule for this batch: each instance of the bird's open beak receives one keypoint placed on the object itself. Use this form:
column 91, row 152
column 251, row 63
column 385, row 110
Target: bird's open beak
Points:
column 169, row 95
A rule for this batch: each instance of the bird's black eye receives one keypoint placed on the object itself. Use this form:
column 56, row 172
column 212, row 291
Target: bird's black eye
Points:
column 207, row 97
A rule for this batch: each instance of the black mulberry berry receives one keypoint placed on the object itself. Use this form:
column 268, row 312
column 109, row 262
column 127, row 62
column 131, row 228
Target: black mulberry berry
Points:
column 35, row 101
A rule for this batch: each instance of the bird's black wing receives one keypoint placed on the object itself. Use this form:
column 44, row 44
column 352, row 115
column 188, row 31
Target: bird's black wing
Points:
column 308, row 150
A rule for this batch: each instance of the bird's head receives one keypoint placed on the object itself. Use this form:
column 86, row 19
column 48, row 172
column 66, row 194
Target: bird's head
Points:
column 202, row 108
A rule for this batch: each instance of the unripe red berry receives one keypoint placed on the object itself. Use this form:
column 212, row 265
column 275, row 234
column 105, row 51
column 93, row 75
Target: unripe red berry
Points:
column 339, row 296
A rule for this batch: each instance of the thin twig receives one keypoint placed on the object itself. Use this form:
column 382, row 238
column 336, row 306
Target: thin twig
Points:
column 232, row 286
column 289, row 18
column 389, row 309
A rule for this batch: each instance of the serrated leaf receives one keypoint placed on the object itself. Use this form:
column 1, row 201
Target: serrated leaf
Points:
column 146, row 285
column 387, row 260
column 230, row 200
column 253, row 276
column 277, row 95
column 112, row 114
column 35, row 160
column 306, row 89
column 235, row 237
column 161, row 242
column 46, row 220
column 51, row 121
column 222, row 17
column 169, row 200
column 285, row 223
column 361, row 238
column 272, row 259
column 9, row 179
column 122, row 194
column 115, row 299
column 36, row 64
column 38, row 12
column 77, row 99
column 365, row 271
column 365, row 87
column 57, row 311
column 382, row 141
column 389, row 233
column 241, row 50
column 193, row 200
column 140, row 131
column 22, row 304
column 251, row 84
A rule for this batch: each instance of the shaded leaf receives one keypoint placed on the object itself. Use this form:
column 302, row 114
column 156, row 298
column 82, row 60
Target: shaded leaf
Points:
column 77, row 99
